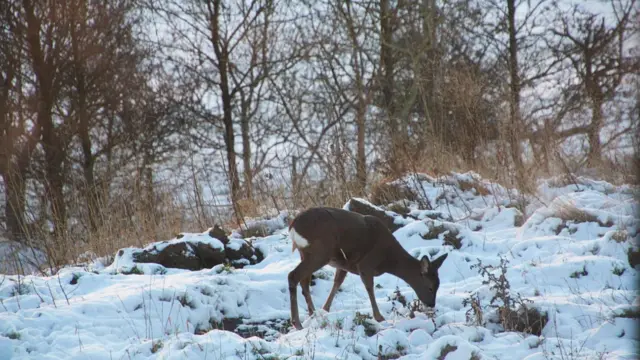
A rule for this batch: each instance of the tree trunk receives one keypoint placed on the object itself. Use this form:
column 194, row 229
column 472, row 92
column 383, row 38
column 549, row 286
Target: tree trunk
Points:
column 246, row 154
column 222, row 55
column 387, row 64
column 44, row 67
column 91, row 192
column 428, row 66
column 14, row 189
column 361, row 161
column 514, row 100
column 594, row 157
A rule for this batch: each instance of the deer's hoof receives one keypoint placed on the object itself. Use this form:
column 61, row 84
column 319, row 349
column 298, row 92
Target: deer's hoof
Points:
column 378, row 318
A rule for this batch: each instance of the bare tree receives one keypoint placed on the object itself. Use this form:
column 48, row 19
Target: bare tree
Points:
column 227, row 51
column 46, row 36
column 596, row 47
column 18, row 134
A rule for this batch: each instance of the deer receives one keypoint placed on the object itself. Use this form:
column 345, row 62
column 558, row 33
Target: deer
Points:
column 358, row 244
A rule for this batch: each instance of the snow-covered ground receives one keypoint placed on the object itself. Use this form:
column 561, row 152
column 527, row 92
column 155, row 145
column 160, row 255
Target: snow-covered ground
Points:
column 570, row 257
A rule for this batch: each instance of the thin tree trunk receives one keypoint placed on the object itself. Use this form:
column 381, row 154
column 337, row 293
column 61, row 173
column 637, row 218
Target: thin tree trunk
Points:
column 514, row 103
column 594, row 157
column 91, row 190
column 361, row 161
column 386, row 58
column 428, row 66
column 15, row 189
column 246, row 154
column 222, row 55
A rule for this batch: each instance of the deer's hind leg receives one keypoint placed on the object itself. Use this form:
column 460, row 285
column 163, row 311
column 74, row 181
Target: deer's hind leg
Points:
column 304, row 270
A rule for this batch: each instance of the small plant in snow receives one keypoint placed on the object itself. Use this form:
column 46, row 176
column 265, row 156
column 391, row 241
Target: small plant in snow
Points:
column 75, row 278
column 397, row 296
column 13, row 335
column 415, row 306
column 156, row 346
column 446, row 350
column 513, row 312
column 19, row 289
column 618, row 270
column 388, row 355
column 579, row 274
column 620, row 236
column 186, row 302
column 370, row 328
column 474, row 314
column 135, row 270
column 226, row 268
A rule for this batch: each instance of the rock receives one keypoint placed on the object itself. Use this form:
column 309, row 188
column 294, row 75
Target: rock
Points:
column 364, row 208
column 239, row 253
column 216, row 232
column 182, row 255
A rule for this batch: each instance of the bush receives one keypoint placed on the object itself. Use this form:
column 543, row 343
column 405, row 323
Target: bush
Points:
column 513, row 312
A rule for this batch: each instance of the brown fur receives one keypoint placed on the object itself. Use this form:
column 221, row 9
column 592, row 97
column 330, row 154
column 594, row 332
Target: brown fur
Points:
column 357, row 244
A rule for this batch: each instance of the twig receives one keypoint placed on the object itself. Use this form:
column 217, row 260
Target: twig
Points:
column 53, row 299
column 62, row 288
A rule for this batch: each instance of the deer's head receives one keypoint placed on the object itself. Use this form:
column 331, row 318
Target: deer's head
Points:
column 426, row 283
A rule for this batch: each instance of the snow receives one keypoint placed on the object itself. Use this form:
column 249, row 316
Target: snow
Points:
column 575, row 271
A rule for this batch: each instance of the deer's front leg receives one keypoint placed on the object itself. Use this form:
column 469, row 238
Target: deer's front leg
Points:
column 337, row 281
column 293, row 299
column 367, row 279
column 306, row 292
column 304, row 270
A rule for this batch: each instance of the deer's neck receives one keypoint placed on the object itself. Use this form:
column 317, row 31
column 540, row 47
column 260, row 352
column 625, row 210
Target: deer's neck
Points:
column 403, row 265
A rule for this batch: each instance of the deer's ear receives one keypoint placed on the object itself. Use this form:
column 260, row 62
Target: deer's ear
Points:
column 425, row 264
column 435, row 264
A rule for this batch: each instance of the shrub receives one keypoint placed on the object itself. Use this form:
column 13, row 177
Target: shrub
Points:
column 513, row 312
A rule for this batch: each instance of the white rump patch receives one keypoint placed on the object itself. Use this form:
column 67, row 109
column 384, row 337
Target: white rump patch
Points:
column 300, row 241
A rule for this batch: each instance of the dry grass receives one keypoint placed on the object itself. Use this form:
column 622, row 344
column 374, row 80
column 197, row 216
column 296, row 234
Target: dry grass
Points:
column 446, row 350
column 620, row 236
column 568, row 211
column 128, row 218
column 476, row 185
column 385, row 192
column 450, row 236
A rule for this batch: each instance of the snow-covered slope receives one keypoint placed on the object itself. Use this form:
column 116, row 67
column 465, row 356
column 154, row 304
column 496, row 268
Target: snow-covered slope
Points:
column 570, row 258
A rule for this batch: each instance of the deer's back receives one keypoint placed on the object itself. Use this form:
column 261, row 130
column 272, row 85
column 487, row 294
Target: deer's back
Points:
column 341, row 235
